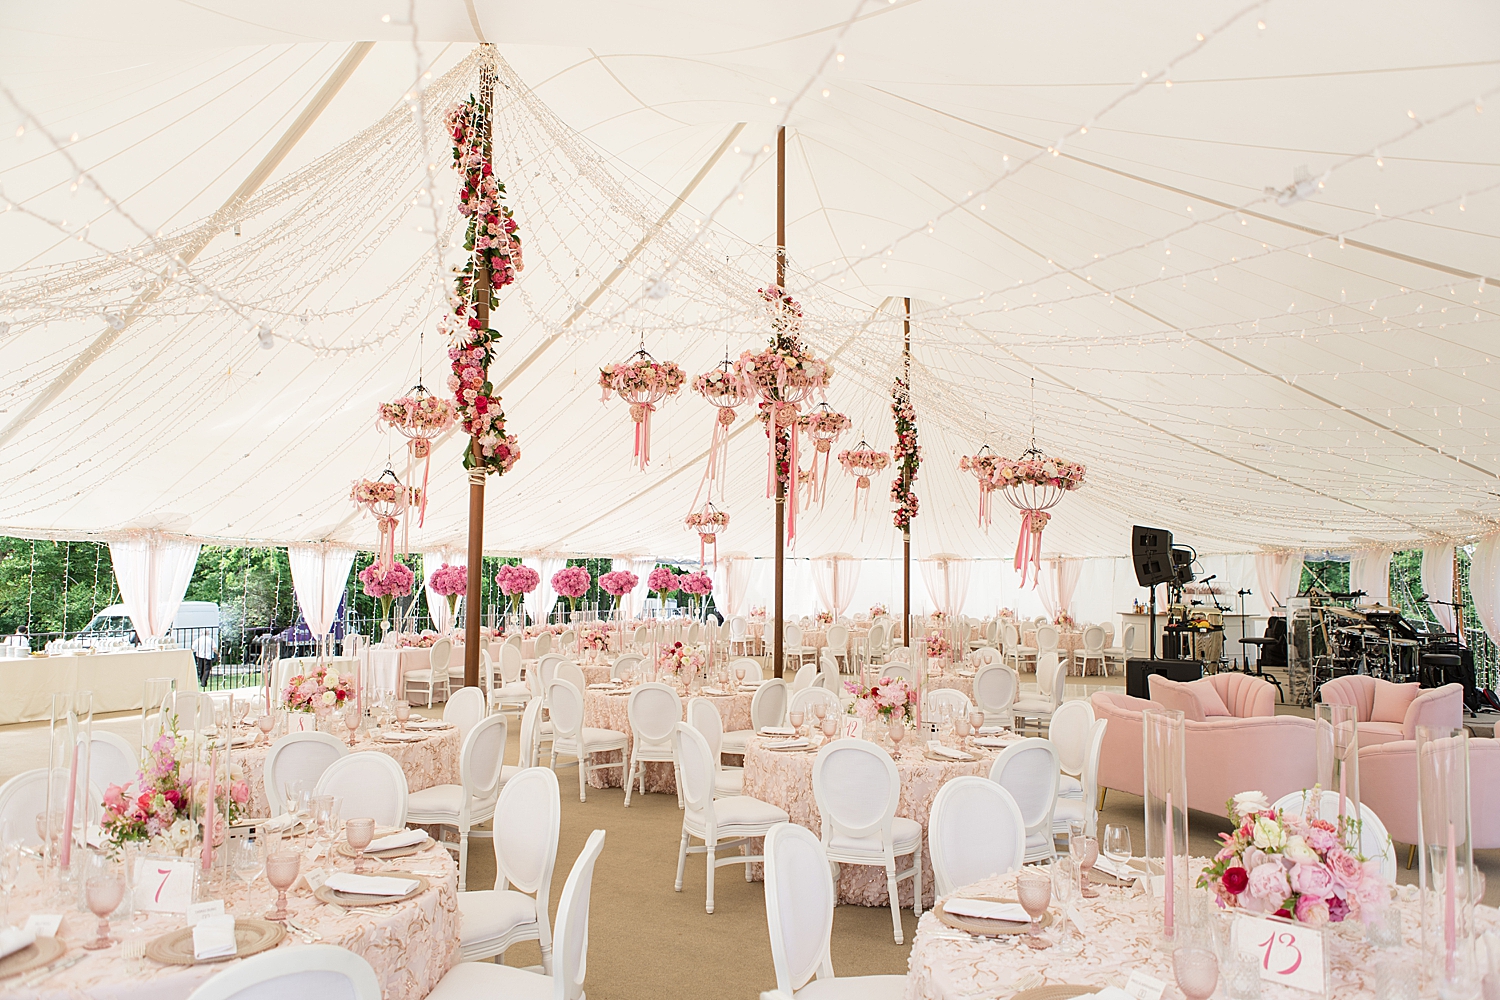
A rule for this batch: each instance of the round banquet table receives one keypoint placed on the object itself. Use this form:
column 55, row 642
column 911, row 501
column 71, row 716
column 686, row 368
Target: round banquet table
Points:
column 784, row 778
column 1117, row 938
column 1069, row 642
column 611, row 710
column 427, row 762
column 410, row 944
column 952, row 678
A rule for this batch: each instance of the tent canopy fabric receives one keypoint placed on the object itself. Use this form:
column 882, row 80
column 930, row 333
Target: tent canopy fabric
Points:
column 1245, row 251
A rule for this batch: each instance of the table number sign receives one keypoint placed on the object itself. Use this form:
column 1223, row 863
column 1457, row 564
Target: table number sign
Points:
column 1290, row 953
column 854, row 727
column 164, row 885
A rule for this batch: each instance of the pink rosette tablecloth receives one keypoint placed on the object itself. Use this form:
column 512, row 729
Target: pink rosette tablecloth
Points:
column 427, row 762
column 784, row 778
column 952, row 679
column 1069, row 642
column 410, row 944
column 610, row 710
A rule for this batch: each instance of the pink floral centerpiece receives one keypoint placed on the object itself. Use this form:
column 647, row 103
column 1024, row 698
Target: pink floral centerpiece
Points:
column 450, row 582
column 889, row 699
column 571, row 582
column 594, row 639
column 642, row 382
column 824, row 617
column 418, row 640
column 514, row 581
column 388, row 584
column 318, row 691
column 1064, row 619
column 618, row 583
column 696, row 584
column 938, row 646
column 682, row 661
column 1280, row 862
column 157, row 808
column 876, row 610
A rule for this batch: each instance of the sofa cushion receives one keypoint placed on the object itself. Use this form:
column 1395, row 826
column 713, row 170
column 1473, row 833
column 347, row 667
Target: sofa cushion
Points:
column 1208, row 698
column 1392, row 700
column 1374, row 733
column 1176, row 696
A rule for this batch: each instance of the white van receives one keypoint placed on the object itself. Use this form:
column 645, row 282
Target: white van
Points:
column 193, row 617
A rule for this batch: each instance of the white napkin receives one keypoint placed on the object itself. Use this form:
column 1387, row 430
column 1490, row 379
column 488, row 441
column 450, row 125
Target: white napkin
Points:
column 278, row 823
column 368, row 885
column 990, row 741
column 14, row 939
column 937, row 749
column 428, row 724
column 214, row 937
column 987, row 910
column 778, row 731
column 715, row 692
column 796, row 744
column 991, row 730
column 402, row 737
column 604, row 686
column 403, row 839
column 1120, row 871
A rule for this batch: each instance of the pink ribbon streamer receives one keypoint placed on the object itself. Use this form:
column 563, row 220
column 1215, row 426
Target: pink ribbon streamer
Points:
column 420, row 448
column 385, row 556
column 641, row 414
column 1029, row 545
column 984, row 507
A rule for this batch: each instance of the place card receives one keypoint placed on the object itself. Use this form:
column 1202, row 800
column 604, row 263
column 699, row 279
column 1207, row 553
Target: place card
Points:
column 1143, row 987
column 1289, row 952
column 202, row 911
column 312, row 879
column 168, row 884
column 43, row 924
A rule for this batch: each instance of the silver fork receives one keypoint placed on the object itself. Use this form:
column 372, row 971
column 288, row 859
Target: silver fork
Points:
column 307, row 934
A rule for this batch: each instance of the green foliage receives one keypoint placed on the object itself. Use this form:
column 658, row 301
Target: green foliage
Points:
column 45, row 586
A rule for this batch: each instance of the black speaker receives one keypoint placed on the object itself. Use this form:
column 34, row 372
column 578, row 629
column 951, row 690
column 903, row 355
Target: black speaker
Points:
column 1137, row 673
column 1151, row 551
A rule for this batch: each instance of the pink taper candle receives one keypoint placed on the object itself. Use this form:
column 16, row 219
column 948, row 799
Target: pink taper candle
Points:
column 65, row 840
column 1166, row 907
column 1343, row 772
column 208, row 822
column 1450, row 879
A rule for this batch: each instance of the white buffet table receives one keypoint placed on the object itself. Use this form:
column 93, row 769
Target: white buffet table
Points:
column 118, row 680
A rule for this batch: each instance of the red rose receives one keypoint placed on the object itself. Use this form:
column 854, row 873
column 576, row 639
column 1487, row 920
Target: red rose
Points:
column 1284, row 913
column 1235, row 880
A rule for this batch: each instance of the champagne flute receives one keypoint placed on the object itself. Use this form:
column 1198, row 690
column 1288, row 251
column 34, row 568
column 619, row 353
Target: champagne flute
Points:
column 359, row 833
column 282, row 867
column 1065, row 888
column 245, row 857
column 103, row 891
column 1034, row 891
column 1116, row 846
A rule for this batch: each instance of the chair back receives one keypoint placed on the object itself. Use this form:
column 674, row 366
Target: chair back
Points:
column 693, row 632
column 1093, row 640
column 1090, row 779
column 1010, row 638
column 975, row 831
column 654, row 711
column 371, row 784
column 1028, row 770
column 804, row 700
column 482, row 756
column 565, row 707
column 112, row 761
column 752, row 667
column 441, row 652
column 325, row 971
column 570, row 953
column 1109, row 632
column 514, row 639
column 877, row 636
column 902, row 670
column 299, row 757
column 464, row 709
column 531, row 718
column 695, row 771
column 828, row 671
column 704, row 716
column 510, row 663
column 806, row 674
column 899, row 654
column 572, row 672
column 995, row 689
column 543, row 644
column 1068, row 729
column 793, row 636
column 625, row 664
column 799, row 906
column 194, row 711
column 1128, row 643
column 1046, row 638
column 768, row 705
column 24, row 797
column 641, row 636
column 1047, row 665
column 838, row 638
column 526, row 843
column 739, row 628
column 1374, row 841
column 954, row 701
column 857, row 790
column 568, row 641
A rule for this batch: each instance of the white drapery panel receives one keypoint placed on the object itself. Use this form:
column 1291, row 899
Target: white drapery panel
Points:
column 153, row 572
column 834, row 578
column 1484, row 582
column 1437, row 581
column 437, row 604
column 641, row 566
column 1370, row 571
column 539, row 602
column 1280, row 576
column 731, row 579
column 947, row 580
column 1059, row 581
column 319, row 573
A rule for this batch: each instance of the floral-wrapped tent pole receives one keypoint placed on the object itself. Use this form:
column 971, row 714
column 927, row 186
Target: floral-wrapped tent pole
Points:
column 642, row 382
column 907, row 453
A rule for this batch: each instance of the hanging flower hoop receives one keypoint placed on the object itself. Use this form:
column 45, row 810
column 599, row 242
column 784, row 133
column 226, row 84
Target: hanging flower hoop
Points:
column 708, row 522
column 983, row 464
column 727, row 392
column 1033, row 484
column 419, row 417
column 642, row 382
column 862, row 462
column 823, row 425
column 387, row 500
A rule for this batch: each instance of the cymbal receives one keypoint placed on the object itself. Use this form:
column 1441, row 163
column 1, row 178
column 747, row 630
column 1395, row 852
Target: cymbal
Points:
column 1338, row 612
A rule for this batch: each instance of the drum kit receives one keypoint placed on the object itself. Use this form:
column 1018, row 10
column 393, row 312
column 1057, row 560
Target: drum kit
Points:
column 1372, row 640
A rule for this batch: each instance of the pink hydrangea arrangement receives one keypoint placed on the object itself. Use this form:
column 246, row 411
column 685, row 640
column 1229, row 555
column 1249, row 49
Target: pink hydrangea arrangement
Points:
column 325, row 689
column 514, row 581
column 619, row 582
column 157, row 807
column 1279, row 861
column 1064, row 619
column 889, row 698
column 396, row 581
column 683, row 661
column 876, row 610
column 697, row 583
column 450, row 582
column 571, row 582
column 662, row 580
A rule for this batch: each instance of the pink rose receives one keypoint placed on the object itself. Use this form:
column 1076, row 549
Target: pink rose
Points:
column 1345, row 867
column 1321, row 840
column 1311, row 910
column 1312, row 879
column 1268, row 882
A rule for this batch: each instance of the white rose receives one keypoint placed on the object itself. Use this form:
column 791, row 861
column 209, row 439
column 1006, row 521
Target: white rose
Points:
column 1269, row 835
column 1249, row 802
column 329, row 697
column 1297, row 850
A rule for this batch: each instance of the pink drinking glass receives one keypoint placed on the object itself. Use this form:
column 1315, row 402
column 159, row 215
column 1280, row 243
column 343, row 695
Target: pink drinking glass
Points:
column 795, row 718
column 403, row 712
column 359, row 833
column 103, row 890
column 1196, row 971
column 282, row 867
column 1034, row 892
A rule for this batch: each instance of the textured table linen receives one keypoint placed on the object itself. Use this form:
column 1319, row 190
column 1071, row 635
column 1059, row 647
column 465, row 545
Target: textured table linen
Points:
column 605, row 710
column 410, row 944
column 118, row 680
column 428, row 762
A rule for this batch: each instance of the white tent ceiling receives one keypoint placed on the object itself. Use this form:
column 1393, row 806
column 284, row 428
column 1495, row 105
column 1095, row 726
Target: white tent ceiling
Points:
column 1247, row 373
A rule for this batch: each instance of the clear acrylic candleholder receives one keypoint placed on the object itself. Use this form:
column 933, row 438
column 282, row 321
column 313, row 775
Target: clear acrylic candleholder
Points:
column 1448, row 882
column 1165, row 736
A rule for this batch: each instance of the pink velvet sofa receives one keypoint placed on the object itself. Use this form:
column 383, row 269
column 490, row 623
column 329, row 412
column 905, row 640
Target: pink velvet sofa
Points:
column 1389, row 712
column 1388, row 785
column 1225, row 755
column 1230, row 694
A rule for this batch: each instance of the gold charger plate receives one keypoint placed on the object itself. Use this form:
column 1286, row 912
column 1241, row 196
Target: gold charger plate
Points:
column 419, row 886
column 1060, row 991
column 252, row 935
column 948, row 760
column 985, row 927
column 1097, row 877
column 395, row 852
column 42, row 951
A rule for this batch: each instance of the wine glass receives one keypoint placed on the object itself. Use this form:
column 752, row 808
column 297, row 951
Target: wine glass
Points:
column 326, row 813
column 1077, row 846
column 1090, row 856
column 282, row 866
column 1116, row 845
column 976, row 721
column 795, row 718
column 242, row 712
column 403, row 712
column 1065, row 889
column 298, row 799
column 1196, row 970
column 829, row 725
column 359, row 833
column 961, row 727
column 103, row 890
column 351, row 719
column 896, row 730
column 245, row 857
column 265, row 724
column 1034, row 891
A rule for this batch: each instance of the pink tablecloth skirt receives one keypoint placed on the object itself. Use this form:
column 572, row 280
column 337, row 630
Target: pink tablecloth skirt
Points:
column 432, row 761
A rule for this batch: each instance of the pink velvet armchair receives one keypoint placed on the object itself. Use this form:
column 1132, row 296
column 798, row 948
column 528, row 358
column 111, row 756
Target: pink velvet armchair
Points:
column 1389, row 712
column 1388, row 785
column 1225, row 755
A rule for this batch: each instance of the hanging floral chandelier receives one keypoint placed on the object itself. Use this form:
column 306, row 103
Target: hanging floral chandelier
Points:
column 722, row 387
column 708, row 522
column 642, row 381
column 862, row 462
column 387, row 500
column 1034, row 484
column 982, row 463
column 419, row 417
column 823, row 425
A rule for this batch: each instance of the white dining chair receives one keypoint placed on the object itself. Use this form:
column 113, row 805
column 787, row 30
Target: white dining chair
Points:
column 325, row 971
column 568, row 642
column 112, row 760
column 1017, row 655
column 837, row 637
column 529, row 750
column 1068, row 729
column 804, row 701
column 471, row 802
column 570, row 946
column 654, row 711
column 1028, row 771
column 1092, row 651
column 1124, row 651
column 805, row 677
column 299, row 757
column 371, row 784
column 739, row 634
column 753, row 672
column 938, row 700
column 995, row 687
column 899, row 654
column 877, row 642
column 24, row 797
column 1038, row 705
column 457, row 664
column 543, row 644
column 905, row 671
column 512, row 693
column 694, row 633
column 1047, row 637
column 720, row 823
column 975, row 830
column 828, row 675
column 1085, row 806
column 464, row 709
column 767, row 708
column 427, row 681
column 525, row 843
column 792, row 647
column 571, row 672
column 857, row 789
column 571, row 738
column 800, row 898
column 703, row 715
column 641, row 637
column 1374, row 842
column 625, row 664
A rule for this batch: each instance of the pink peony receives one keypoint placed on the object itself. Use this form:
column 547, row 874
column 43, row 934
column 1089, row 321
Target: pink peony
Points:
column 1268, row 882
column 1321, row 840
column 1312, row 879
column 1345, row 868
column 1311, row 910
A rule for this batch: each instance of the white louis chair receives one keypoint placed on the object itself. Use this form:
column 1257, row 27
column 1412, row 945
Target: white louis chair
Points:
column 625, row 664
column 799, row 915
column 481, row 761
column 24, row 797
column 995, row 694
column 753, row 672
column 468, row 980
column 857, row 789
column 1039, row 705
column 543, row 644
column 1028, row 771
column 838, row 644
column 905, row 671
column 530, row 753
column 525, row 852
column 768, row 707
column 567, row 642
column 325, row 971
column 879, row 640
column 901, row 655
column 512, row 693
column 371, row 784
column 1085, row 806
column 1014, row 652
column 803, row 701
column 739, row 634
column 1119, row 654
column 1374, row 841
column 571, row 672
column 792, row 646
column 654, row 711
column 641, row 637
column 456, row 665
column 806, row 676
column 427, row 682
column 975, row 831
column 704, row 716
column 1068, row 729
column 572, row 739
column 718, row 822
column 1092, row 651
column 112, row 761
column 464, row 709
column 299, row 757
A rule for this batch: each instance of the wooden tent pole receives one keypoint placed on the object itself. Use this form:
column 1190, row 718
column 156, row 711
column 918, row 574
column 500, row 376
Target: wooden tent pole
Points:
column 777, row 626
column 906, row 532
